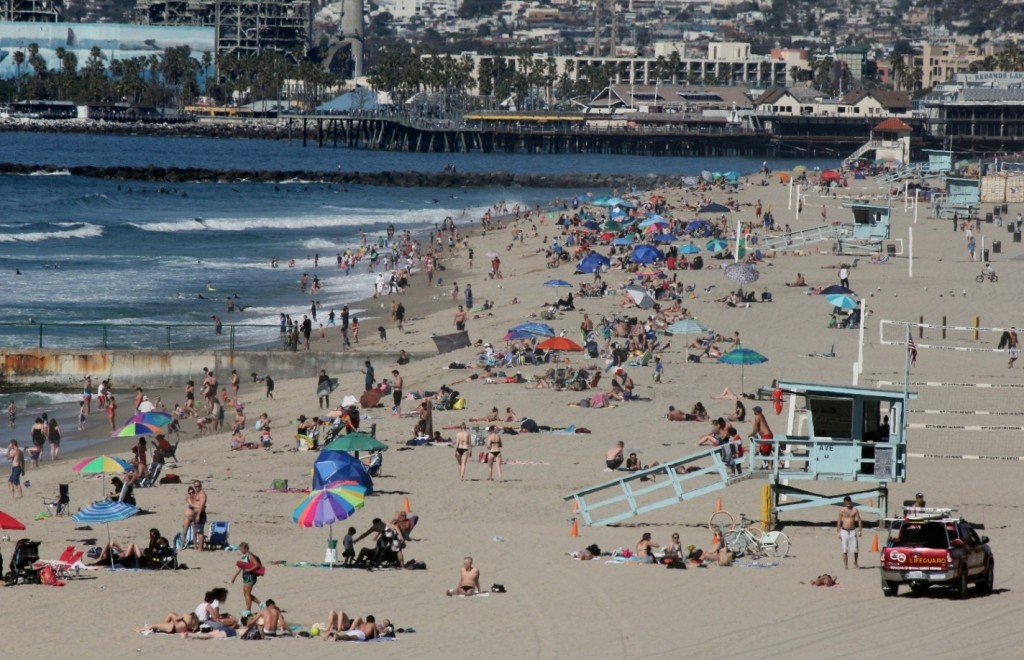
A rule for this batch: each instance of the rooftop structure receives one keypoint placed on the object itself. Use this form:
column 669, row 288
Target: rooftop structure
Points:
column 30, row 11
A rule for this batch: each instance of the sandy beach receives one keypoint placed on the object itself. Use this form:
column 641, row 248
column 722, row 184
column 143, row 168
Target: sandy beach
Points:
column 518, row 530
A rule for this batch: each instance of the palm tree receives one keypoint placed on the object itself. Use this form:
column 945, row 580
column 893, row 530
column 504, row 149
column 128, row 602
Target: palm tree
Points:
column 898, row 67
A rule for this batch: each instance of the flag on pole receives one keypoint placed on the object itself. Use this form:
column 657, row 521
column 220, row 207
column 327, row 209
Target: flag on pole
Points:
column 912, row 350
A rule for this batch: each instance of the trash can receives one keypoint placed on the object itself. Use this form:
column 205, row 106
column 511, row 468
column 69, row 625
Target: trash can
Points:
column 996, row 209
column 984, row 255
column 997, row 247
column 988, row 217
column 1011, row 227
column 891, row 249
column 1006, row 209
column 1016, row 237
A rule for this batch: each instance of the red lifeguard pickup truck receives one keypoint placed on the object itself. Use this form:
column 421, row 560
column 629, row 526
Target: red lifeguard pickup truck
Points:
column 929, row 547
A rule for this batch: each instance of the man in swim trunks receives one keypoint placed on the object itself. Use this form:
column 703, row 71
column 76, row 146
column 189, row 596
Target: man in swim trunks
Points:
column 762, row 431
column 615, row 456
column 17, row 458
column 849, row 526
column 469, row 580
column 463, row 443
column 357, row 631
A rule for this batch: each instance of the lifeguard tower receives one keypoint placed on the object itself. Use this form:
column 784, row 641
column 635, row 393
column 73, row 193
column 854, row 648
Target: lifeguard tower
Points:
column 866, row 234
column 834, row 433
column 962, row 197
column 889, row 142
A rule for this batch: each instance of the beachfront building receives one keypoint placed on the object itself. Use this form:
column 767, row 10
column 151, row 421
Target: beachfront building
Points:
column 30, row 11
column 807, row 102
column 241, row 27
column 708, row 101
column 984, row 108
column 941, row 62
column 722, row 64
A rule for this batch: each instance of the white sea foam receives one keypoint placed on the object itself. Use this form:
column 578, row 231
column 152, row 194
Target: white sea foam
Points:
column 320, row 244
column 54, row 173
column 81, row 230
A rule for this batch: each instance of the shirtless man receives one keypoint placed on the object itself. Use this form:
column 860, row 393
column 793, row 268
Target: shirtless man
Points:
column 463, row 443
column 645, row 549
column 469, row 580
column 272, row 621
column 198, row 504
column 460, row 319
column 849, row 526
column 17, row 458
column 762, row 431
column 613, row 459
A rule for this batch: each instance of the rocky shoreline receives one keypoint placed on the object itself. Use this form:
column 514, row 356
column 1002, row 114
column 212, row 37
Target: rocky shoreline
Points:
column 400, row 179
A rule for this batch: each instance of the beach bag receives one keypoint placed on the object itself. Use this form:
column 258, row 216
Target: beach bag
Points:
column 170, row 478
column 459, row 404
column 253, row 632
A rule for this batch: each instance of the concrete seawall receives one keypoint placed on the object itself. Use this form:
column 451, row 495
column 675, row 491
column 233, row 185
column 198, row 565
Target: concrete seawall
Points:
column 63, row 369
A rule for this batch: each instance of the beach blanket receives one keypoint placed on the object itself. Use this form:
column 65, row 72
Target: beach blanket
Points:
column 285, row 490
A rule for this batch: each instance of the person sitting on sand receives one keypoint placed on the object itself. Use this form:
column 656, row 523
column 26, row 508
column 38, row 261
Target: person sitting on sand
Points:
column 510, row 415
column 271, row 621
column 632, row 463
column 614, row 458
column 174, row 623
column 740, row 414
column 699, row 412
column 800, row 281
column 469, row 580
column 645, row 549
column 714, row 438
column 545, row 381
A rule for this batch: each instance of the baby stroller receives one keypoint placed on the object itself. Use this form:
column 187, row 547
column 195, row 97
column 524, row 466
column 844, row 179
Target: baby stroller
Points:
column 26, row 553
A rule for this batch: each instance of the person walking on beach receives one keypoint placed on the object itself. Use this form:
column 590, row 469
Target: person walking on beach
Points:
column 369, row 379
column 1013, row 348
column 236, row 382
column 87, row 394
column 493, row 453
column 400, row 316
column 469, row 297
column 16, row 457
column 396, row 390
column 849, row 526
column 323, row 389
column 250, row 568
column 455, row 292
column 218, row 327
column 844, row 275
column 54, row 439
column 463, row 443
column 307, row 330
column 460, row 319
column 111, row 412
column 12, row 413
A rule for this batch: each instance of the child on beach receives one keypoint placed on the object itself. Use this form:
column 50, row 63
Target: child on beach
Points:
column 349, row 553
column 659, row 368
column 81, row 416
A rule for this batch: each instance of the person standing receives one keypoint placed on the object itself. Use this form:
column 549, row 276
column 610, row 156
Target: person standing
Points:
column 970, row 247
column 197, row 502
column 844, row 275
column 762, row 431
column 323, row 389
column 400, row 316
column 460, row 319
column 493, row 453
column 307, row 330
column 12, row 412
column 250, row 568
column 54, row 439
column 463, row 443
column 39, row 429
column 16, row 457
column 111, row 412
column 218, row 327
column 236, row 382
column 396, row 390
column 1013, row 348
column 369, row 378
column 87, row 394
column 849, row 526
column 468, row 294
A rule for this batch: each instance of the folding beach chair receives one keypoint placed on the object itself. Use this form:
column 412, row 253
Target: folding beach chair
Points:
column 59, row 506
column 63, row 567
column 218, row 534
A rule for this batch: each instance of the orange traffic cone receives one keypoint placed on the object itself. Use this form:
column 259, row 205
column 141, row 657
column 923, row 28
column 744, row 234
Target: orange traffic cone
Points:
column 575, row 527
column 715, row 540
column 718, row 505
column 874, row 544
column 405, row 505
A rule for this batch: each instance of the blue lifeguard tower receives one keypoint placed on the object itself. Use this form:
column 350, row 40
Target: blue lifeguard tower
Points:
column 834, row 433
column 963, row 197
column 870, row 227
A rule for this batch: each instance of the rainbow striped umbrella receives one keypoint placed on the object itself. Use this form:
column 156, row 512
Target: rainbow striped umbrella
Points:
column 154, row 417
column 102, row 465
column 137, row 428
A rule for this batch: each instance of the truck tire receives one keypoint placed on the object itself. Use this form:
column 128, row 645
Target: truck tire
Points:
column 890, row 588
column 985, row 585
column 960, row 584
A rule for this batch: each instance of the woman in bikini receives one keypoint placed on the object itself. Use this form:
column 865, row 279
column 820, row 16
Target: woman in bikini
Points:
column 190, row 398
column 174, row 623
column 463, row 443
column 493, row 453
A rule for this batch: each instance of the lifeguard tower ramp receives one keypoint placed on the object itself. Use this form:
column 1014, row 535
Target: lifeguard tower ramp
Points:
column 839, row 435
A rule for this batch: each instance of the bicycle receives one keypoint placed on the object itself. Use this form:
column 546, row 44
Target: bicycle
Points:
column 991, row 277
column 747, row 538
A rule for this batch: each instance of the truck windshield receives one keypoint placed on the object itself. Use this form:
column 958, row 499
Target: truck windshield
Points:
column 927, row 535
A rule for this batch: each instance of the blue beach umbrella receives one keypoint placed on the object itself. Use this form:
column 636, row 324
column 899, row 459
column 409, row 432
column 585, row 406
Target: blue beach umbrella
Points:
column 645, row 254
column 558, row 283
column 716, row 245
column 591, row 225
column 689, row 248
column 742, row 357
column 534, row 328
column 664, row 238
column 842, row 301
column 105, row 512
column 592, row 263
column 686, row 327
column 714, row 207
column 625, row 240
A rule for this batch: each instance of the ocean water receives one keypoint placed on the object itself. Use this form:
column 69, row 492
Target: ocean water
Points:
column 133, row 259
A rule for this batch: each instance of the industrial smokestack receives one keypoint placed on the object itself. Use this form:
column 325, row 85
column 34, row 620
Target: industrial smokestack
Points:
column 352, row 31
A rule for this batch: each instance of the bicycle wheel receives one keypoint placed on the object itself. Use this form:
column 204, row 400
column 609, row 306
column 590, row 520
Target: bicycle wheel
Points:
column 979, row 278
column 756, row 532
column 775, row 544
column 721, row 522
column 736, row 540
